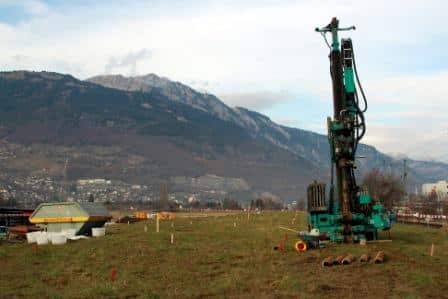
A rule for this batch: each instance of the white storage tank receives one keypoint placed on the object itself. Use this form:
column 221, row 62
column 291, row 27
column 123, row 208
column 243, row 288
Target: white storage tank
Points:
column 98, row 231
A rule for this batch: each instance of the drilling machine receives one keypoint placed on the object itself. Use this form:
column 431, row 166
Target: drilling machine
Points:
column 349, row 213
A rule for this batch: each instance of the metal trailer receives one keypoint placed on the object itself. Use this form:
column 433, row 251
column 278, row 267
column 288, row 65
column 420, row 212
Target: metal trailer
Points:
column 13, row 216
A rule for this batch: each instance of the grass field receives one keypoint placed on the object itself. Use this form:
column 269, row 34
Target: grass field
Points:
column 211, row 258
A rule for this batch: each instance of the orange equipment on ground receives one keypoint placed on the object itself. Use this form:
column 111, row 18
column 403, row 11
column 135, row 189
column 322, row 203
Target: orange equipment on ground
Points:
column 166, row 216
column 300, row 246
column 141, row 215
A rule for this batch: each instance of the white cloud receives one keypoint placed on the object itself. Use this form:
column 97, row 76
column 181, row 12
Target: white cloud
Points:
column 258, row 100
column 256, row 45
column 130, row 61
column 414, row 141
column 408, row 115
column 253, row 50
column 428, row 90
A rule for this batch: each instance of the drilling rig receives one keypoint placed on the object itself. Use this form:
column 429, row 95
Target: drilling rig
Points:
column 348, row 213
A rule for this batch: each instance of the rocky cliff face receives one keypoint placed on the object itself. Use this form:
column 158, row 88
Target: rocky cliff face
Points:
column 311, row 146
column 174, row 91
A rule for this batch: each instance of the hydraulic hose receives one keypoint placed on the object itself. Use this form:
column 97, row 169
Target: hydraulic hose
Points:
column 359, row 82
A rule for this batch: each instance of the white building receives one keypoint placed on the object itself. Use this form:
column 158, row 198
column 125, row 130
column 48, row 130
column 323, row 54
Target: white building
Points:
column 441, row 188
column 94, row 182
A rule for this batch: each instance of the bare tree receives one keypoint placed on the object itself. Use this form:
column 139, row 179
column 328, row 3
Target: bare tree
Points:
column 267, row 201
column 386, row 188
column 445, row 208
column 429, row 204
column 163, row 202
column 300, row 206
column 230, row 204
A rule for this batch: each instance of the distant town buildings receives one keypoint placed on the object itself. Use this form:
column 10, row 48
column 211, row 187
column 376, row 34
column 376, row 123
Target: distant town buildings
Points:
column 37, row 187
column 210, row 182
column 94, row 182
column 104, row 190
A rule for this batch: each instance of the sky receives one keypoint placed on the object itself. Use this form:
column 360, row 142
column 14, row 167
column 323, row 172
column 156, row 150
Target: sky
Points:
column 262, row 55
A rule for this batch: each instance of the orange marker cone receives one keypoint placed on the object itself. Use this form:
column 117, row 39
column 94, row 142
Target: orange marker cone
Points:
column 113, row 274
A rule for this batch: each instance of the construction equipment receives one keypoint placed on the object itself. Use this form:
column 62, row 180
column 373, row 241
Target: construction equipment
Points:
column 80, row 216
column 379, row 258
column 141, row 215
column 3, row 232
column 347, row 260
column 166, row 216
column 328, row 262
column 338, row 260
column 364, row 258
column 349, row 213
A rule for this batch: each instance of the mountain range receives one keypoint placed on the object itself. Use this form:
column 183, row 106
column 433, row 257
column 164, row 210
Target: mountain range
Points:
column 149, row 129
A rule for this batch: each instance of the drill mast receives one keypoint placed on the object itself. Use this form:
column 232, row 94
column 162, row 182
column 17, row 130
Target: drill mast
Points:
column 343, row 128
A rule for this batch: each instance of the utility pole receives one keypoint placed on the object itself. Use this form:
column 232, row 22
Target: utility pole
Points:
column 63, row 192
column 163, row 199
column 405, row 179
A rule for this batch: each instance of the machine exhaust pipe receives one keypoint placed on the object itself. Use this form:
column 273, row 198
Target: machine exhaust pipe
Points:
column 379, row 258
column 364, row 258
column 328, row 262
column 348, row 259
